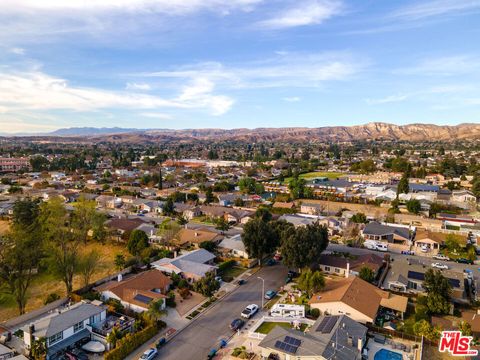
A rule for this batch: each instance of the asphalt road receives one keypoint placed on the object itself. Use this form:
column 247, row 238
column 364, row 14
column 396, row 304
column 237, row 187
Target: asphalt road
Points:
column 196, row 341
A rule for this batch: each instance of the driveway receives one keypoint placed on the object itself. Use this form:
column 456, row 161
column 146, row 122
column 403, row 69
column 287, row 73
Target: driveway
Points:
column 204, row 333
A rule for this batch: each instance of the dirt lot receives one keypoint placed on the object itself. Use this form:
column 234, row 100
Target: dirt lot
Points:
column 45, row 284
column 333, row 207
column 4, row 226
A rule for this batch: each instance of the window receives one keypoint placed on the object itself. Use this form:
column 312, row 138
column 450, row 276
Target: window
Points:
column 55, row 338
column 78, row 326
column 337, row 270
column 327, row 268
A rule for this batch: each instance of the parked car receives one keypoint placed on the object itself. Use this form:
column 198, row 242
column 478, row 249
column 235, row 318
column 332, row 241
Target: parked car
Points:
column 149, row 354
column 408, row 252
column 441, row 257
column 424, row 248
column 237, row 324
column 212, row 354
column 291, row 274
column 464, row 261
column 277, row 257
column 218, row 278
column 271, row 262
column 78, row 354
column 270, row 294
column 249, row 311
column 440, row 266
column 161, row 342
column 288, row 279
column 241, row 282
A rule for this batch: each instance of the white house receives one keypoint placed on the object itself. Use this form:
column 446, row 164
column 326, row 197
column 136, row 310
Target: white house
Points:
column 234, row 246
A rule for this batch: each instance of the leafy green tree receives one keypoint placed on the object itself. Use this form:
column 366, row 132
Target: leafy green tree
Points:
column 207, row 285
column 83, row 217
column 221, row 224
column 359, row 218
column 438, row 291
column 169, row 207
column 465, row 328
column 364, row 166
column 423, row 328
column 249, row 185
column 209, row 197
column 155, row 310
column 39, row 349
column 302, row 248
column 263, row 213
column 297, row 187
column 311, row 281
column 88, row 265
column 25, row 212
column 259, row 238
column 414, row 206
column 137, row 242
column 366, row 274
column 402, row 187
column 119, row 262
column 208, row 245
column 452, row 242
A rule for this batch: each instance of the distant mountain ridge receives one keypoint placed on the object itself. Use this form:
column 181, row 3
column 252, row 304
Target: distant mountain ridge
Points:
column 370, row 131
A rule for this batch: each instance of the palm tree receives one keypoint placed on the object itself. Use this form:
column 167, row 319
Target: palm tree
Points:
column 114, row 336
column 155, row 310
column 39, row 349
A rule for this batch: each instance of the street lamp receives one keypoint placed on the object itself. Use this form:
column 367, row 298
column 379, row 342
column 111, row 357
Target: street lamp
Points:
column 263, row 289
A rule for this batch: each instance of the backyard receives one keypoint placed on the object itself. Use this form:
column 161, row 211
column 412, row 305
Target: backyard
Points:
column 315, row 174
column 45, row 283
column 268, row 326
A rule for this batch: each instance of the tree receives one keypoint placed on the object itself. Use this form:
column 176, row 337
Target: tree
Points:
column 88, row 265
column 465, row 328
column 414, row 206
column 248, row 185
column 207, row 285
column 182, row 220
column 160, row 178
column 169, row 207
column 452, row 242
column 364, row 167
column 438, row 291
column 119, row 262
column 366, row 274
column 155, row 310
column 208, row 245
column 302, row 247
column 62, row 241
column 402, row 187
column 114, row 336
column 39, row 349
column 209, row 198
column 423, row 328
column 311, row 281
column 137, row 242
column 359, row 218
column 297, row 187
column 263, row 214
column 259, row 238
column 25, row 212
column 221, row 224
column 83, row 217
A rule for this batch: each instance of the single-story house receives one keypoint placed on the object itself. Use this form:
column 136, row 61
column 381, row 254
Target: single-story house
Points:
column 138, row 291
column 194, row 237
column 192, row 265
column 341, row 266
column 233, row 246
column 331, row 337
column 348, row 297
column 397, row 234
column 429, row 240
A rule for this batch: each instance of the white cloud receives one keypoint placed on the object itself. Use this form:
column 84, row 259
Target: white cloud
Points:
column 386, row 100
column 17, row 125
column 155, row 115
column 422, row 10
column 17, row 51
column 292, row 99
column 444, row 66
column 308, row 12
column 290, row 70
column 39, row 91
column 138, row 86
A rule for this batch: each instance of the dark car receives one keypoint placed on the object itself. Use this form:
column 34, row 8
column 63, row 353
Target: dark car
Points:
column 464, row 261
column 291, row 274
column 271, row 262
column 237, row 324
column 288, row 279
column 78, row 354
column 161, row 342
column 212, row 354
column 241, row 282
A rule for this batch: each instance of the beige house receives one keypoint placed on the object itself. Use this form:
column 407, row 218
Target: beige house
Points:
column 348, row 297
column 429, row 241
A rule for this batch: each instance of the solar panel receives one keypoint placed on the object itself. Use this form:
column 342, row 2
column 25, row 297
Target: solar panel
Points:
column 292, row 341
column 454, row 282
column 416, row 275
column 323, row 323
column 330, row 324
column 142, row 298
column 286, row 347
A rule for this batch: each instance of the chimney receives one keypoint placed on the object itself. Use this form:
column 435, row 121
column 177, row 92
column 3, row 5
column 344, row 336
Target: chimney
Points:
column 119, row 277
column 347, row 273
column 196, row 234
column 360, row 344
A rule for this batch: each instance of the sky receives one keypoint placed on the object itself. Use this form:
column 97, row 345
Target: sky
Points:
column 182, row 64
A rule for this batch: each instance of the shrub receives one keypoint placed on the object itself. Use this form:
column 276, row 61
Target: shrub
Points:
column 184, row 293
column 226, row 265
column 183, row 284
column 51, row 298
column 314, row 313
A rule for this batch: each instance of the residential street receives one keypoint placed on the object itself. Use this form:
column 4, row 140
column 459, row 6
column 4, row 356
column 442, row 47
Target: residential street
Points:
column 205, row 332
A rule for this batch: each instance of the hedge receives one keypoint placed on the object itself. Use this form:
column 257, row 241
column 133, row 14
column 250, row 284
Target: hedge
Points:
column 132, row 341
column 226, row 265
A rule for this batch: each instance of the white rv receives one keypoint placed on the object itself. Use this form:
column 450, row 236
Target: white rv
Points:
column 376, row 245
column 287, row 311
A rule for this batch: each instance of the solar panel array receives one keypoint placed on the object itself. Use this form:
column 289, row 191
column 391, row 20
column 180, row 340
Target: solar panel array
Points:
column 142, row 298
column 454, row 282
column 416, row 275
column 286, row 347
column 292, row 341
column 327, row 324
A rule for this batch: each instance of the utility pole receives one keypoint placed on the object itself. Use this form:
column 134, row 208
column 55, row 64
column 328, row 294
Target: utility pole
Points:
column 263, row 290
column 160, row 179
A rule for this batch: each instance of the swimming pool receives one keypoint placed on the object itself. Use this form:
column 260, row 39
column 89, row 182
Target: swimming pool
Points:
column 384, row 354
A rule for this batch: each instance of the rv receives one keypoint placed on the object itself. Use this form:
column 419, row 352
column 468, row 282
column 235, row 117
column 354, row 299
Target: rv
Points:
column 382, row 246
column 288, row 311
column 376, row 245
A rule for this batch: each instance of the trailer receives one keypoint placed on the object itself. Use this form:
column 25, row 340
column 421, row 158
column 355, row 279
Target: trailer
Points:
column 287, row 311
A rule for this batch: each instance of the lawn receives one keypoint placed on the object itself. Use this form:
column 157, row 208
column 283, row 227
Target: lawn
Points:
column 45, row 283
column 233, row 272
column 268, row 326
column 315, row 174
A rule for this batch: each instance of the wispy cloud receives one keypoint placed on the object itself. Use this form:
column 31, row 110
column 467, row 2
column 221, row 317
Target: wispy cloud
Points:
column 387, row 99
column 290, row 70
column 292, row 99
column 138, row 86
column 444, row 66
column 310, row 12
column 40, row 91
column 422, row 10
column 155, row 115
column 17, row 51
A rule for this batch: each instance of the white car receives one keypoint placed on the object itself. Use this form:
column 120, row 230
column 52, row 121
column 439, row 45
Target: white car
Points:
column 149, row 354
column 249, row 311
column 424, row 249
column 441, row 257
column 440, row 266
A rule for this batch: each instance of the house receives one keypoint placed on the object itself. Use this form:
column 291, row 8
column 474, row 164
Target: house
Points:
column 416, row 188
column 463, row 196
column 348, row 296
column 192, row 265
column 62, row 329
column 109, row 202
column 311, row 208
column 121, row 226
column 192, row 212
column 331, row 337
column 299, row 220
column 397, row 234
column 239, row 216
column 6, row 352
column 227, row 199
column 233, row 246
column 456, row 220
column 345, row 267
column 410, row 279
column 138, row 291
column 429, row 242
column 194, row 237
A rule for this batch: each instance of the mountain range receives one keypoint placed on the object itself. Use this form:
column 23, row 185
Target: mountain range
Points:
column 370, row 131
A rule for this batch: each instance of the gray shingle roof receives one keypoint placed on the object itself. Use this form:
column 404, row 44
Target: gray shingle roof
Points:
column 375, row 228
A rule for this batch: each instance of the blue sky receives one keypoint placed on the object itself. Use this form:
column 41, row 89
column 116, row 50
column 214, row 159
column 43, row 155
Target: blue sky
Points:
column 237, row 63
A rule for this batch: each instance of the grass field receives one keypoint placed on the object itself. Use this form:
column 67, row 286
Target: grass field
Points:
column 46, row 283
column 268, row 326
column 315, row 174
